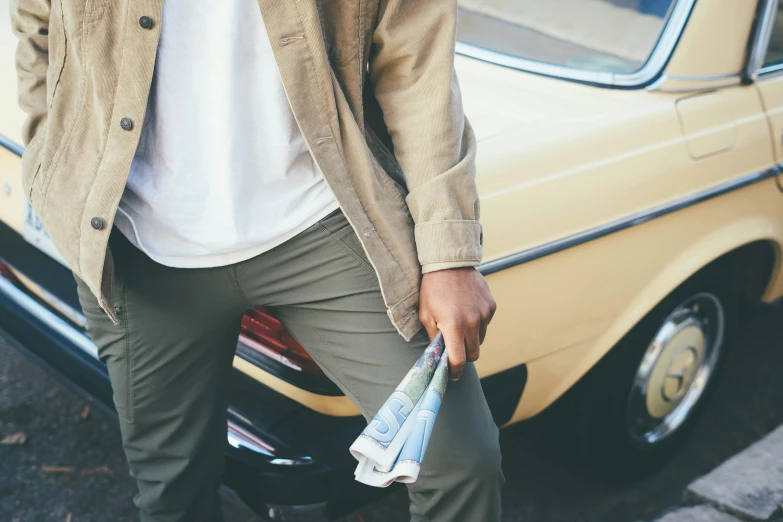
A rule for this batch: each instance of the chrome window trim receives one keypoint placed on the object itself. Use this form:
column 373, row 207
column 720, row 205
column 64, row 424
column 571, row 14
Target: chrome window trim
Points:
column 766, row 71
column 758, row 51
column 655, row 63
column 633, row 220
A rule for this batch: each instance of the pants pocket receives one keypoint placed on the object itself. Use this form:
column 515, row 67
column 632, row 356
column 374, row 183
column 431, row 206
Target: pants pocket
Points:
column 112, row 341
column 336, row 225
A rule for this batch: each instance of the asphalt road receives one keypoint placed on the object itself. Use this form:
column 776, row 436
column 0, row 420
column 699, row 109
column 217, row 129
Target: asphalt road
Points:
column 74, row 465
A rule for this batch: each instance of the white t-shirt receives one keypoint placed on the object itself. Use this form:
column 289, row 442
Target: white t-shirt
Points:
column 222, row 172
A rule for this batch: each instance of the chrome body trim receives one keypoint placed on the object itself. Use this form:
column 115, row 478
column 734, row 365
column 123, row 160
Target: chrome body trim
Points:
column 671, row 83
column 705, row 78
column 239, row 438
column 70, row 313
column 706, row 85
column 558, row 245
column 652, row 68
column 37, row 310
column 64, row 309
column 760, row 42
column 656, row 85
column 633, row 220
column 235, row 441
column 8, row 143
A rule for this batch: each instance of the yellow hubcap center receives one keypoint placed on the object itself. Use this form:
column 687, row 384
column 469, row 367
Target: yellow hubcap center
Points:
column 674, row 371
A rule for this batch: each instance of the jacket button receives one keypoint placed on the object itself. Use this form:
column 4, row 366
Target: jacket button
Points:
column 126, row 124
column 96, row 223
column 145, row 22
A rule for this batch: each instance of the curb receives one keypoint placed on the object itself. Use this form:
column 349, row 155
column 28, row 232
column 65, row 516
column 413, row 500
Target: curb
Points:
column 746, row 487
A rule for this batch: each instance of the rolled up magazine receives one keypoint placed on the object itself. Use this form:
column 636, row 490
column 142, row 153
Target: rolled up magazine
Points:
column 392, row 446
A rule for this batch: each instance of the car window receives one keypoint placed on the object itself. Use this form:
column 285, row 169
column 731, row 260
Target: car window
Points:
column 775, row 49
column 616, row 36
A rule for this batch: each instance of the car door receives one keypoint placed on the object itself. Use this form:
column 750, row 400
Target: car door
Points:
column 770, row 77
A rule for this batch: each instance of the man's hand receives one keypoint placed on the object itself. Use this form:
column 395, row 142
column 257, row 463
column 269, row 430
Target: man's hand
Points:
column 457, row 302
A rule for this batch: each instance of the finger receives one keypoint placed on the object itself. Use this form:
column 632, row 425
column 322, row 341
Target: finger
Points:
column 455, row 347
column 485, row 320
column 429, row 324
column 472, row 339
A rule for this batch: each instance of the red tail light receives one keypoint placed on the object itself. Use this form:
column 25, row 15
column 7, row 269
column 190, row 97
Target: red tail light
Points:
column 266, row 335
column 7, row 273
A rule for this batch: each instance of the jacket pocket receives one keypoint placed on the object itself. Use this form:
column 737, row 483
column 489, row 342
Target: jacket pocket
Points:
column 31, row 184
column 58, row 42
column 32, row 160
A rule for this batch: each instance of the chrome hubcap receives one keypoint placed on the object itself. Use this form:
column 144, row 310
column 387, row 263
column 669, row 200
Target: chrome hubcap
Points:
column 676, row 369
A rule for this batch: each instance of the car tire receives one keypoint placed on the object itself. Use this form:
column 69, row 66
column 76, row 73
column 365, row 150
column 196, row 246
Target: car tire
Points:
column 637, row 406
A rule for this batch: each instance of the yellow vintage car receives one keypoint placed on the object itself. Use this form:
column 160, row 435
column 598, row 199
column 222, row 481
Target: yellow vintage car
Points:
column 629, row 169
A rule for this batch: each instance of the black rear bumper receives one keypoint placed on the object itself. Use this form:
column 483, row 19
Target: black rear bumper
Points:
column 278, row 451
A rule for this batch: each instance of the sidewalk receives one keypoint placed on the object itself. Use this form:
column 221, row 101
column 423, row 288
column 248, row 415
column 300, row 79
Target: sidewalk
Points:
column 747, row 487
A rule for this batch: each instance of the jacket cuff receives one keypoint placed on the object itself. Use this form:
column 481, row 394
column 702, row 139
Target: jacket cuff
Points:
column 449, row 242
column 434, row 267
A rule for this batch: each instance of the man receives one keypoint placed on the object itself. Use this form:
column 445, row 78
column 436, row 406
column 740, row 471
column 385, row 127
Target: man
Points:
column 199, row 159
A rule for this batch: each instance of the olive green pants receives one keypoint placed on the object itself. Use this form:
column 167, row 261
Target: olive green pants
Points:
column 170, row 359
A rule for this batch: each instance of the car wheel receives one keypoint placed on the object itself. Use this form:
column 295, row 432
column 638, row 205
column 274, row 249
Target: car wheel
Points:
column 638, row 405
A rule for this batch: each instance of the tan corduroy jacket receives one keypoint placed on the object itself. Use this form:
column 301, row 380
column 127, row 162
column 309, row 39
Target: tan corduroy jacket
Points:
column 364, row 78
